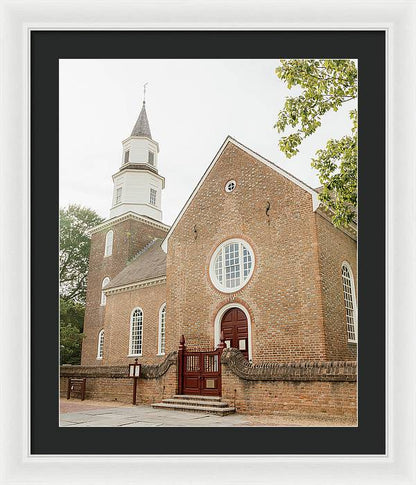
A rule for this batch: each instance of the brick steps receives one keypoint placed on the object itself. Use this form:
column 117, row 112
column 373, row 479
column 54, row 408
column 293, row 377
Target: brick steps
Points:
column 196, row 397
column 197, row 404
column 194, row 402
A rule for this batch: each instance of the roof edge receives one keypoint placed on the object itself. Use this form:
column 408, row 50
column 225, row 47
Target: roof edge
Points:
column 230, row 139
column 123, row 217
column 137, row 284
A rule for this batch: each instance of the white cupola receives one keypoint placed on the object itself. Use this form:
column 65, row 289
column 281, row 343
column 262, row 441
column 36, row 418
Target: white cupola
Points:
column 138, row 185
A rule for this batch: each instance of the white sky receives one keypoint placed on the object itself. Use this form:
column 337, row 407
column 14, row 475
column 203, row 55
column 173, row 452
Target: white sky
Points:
column 192, row 105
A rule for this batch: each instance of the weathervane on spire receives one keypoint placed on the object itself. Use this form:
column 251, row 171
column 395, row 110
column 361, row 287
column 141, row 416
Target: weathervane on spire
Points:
column 144, row 92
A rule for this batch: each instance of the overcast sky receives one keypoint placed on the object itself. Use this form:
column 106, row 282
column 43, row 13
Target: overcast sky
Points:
column 192, row 106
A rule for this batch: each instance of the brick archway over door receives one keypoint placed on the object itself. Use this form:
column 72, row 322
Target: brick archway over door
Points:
column 235, row 327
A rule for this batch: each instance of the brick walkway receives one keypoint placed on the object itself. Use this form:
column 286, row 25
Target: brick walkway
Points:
column 76, row 413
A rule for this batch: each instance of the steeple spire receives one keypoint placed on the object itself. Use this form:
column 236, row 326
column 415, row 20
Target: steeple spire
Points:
column 137, row 184
column 142, row 128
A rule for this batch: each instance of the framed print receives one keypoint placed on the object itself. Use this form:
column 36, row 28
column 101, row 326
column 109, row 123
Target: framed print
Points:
column 143, row 259
column 38, row 447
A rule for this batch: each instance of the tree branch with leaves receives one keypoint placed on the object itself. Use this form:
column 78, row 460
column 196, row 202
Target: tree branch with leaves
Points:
column 327, row 84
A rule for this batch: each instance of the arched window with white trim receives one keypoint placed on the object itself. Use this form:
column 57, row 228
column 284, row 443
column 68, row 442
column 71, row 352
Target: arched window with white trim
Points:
column 100, row 344
column 105, row 282
column 136, row 332
column 162, row 330
column 349, row 301
column 108, row 251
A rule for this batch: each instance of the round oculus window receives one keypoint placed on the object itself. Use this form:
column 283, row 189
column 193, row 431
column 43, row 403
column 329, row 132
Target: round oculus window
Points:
column 230, row 185
column 231, row 265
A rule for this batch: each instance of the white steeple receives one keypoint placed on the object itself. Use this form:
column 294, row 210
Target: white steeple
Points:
column 138, row 185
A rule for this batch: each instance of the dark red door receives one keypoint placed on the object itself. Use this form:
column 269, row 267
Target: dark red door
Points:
column 235, row 328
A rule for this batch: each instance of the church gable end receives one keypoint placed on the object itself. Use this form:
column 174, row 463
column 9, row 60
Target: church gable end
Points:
column 274, row 215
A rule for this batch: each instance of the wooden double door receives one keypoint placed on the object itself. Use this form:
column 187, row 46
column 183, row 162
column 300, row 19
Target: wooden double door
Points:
column 235, row 327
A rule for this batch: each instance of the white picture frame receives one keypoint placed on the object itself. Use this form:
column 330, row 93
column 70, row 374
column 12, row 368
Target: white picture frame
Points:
column 398, row 19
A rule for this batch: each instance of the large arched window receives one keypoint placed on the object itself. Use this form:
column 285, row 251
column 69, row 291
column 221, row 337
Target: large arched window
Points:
column 162, row 329
column 105, row 282
column 108, row 251
column 349, row 301
column 100, row 344
column 231, row 265
column 136, row 332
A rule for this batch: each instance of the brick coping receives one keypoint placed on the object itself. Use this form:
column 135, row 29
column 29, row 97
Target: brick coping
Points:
column 297, row 371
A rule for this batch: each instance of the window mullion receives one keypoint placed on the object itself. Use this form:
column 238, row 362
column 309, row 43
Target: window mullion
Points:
column 224, row 272
column 240, row 262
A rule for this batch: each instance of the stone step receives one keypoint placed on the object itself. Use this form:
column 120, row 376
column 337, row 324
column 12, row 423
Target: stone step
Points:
column 196, row 402
column 197, row 409
column 197, row 397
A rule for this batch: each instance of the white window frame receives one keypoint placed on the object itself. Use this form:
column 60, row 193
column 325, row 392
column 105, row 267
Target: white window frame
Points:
column 119, row 192
column 150, row 152
column 153, row 194
column 105, row 282
column 162, row 321
column 109, row 239
column 354, row 302
column 140, row 353
column 221, row 286
column 100, row 346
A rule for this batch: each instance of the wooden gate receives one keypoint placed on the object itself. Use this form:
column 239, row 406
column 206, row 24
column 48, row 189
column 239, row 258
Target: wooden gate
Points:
column 199, row 372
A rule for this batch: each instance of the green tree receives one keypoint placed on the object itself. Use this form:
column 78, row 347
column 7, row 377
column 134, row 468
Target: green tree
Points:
column 74, row 252
column 326, row 85
column 70, row 345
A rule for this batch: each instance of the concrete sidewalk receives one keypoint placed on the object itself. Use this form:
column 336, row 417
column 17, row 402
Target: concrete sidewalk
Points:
column 145, row 416
column 77, row 414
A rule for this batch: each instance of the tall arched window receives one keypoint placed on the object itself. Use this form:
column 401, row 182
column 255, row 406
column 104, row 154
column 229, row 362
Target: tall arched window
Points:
column 136, row 332
column 106, row 280
column 349, row 301
column 100, row 344
column 162, row 329
column 108, row 251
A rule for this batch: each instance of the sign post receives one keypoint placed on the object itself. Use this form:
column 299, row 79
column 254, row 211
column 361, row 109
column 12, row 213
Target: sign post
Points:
column 134, row 373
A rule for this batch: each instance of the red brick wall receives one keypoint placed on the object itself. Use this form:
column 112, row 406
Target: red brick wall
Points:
column 312, row 397
column 117, row 324
column 129, row 237
column 335, row 247
column 283, row 296
column 113, row 386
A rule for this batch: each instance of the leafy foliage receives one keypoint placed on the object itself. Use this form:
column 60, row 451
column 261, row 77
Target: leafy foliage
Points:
column 326, row 85
column 72, row 320
column 73, row 269
column 71, row 313
column 74, row 250
column 70, row 345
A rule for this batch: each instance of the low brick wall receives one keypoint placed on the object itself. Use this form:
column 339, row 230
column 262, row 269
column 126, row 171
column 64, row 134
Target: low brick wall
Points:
column 109, row 383
column 298, row 388
column 306, row 388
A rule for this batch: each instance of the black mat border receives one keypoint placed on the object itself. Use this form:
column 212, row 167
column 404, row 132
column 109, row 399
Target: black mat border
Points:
column 47, row 47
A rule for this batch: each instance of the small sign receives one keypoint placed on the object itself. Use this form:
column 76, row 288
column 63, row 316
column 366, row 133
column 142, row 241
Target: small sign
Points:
column 134, row 370
column 242, row 344
column 228, row 343
column 210, row 384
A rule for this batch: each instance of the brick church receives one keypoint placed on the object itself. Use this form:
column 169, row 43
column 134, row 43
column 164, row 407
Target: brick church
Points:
column 250, row 295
